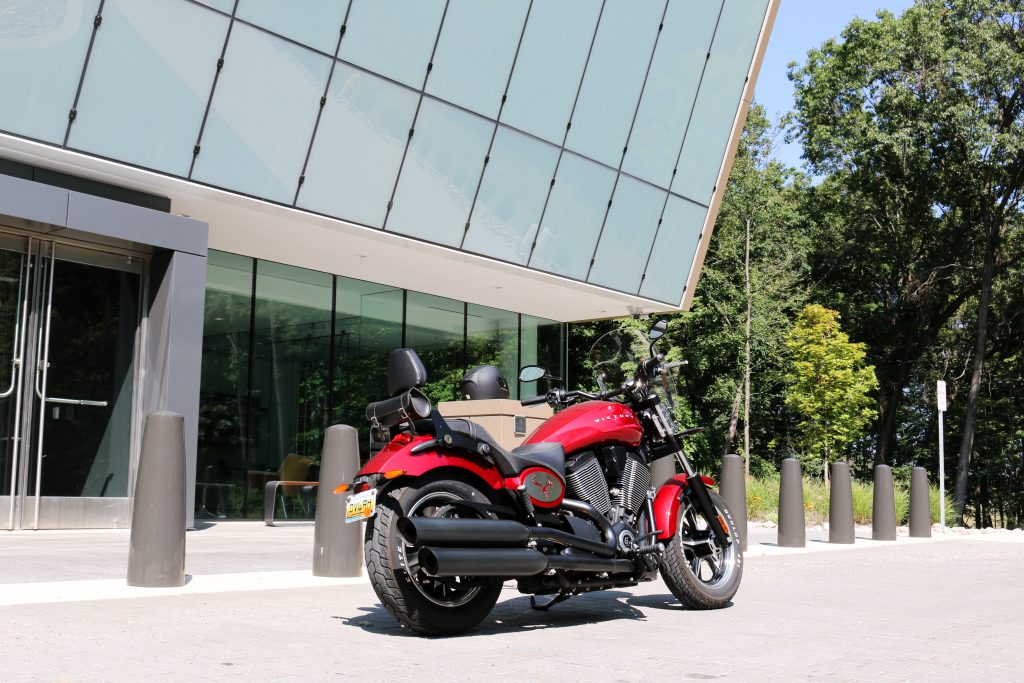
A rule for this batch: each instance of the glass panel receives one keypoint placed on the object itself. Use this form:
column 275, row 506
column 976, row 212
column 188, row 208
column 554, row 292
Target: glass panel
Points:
column 393, row 38
column 492, row 338
column 12, row 289
column 628, row 232
column 440, row 175
column 718, row 99
column 671, row 89
column 42, row 49
column 223, row 393
column 358, row 148
column 542, row 343
column 367, row 327
column 262, row 115
column 226, row 6
column 674, row 248
column 435, row 329
column 615, row 74
column 511, row 198
column 475, row 51
column 316, row 23
column 94, row 315
column 573, row 217
column 146, row 89
column 549, row 66
column 291, row 356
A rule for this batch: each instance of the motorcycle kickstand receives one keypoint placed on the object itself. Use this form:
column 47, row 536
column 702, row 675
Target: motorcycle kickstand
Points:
column 548, row 604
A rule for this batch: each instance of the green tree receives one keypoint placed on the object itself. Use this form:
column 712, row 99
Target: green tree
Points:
column 829, row 385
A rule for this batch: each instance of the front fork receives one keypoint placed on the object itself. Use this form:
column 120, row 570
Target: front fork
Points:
column 699, row 491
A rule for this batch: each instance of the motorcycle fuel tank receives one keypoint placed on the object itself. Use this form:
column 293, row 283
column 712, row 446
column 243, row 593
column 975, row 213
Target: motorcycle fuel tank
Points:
column 588, row 424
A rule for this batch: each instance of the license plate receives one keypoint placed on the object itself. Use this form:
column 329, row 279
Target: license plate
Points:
column 361, row 506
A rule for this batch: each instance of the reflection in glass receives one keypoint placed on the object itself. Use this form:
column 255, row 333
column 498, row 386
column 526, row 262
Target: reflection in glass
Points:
column 511, row 197
column 440, row 175
column 713, row 115
column 475, row 51
column 262, row 114
column 367, row 326
column 392, row 38
column 549, row 66
column 316, row 23
column 627, row 235
column 435, row 328
column 573, row 217
column 671, row 90
column 614, row 77
column 42, row 49
column 542, row 342
column 145, row 90
column 492, row 338
column 223, row 394
column 358, row 147
column 12, row 263
column 674, row 248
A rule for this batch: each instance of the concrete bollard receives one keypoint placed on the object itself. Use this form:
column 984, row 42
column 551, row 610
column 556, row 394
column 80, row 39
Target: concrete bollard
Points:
column 840, row 504
column 662, row 470
column 337, row 546
column 883, row 511
column 733, row 489
column 792, row 533
column 156, row 550
column 920, row 505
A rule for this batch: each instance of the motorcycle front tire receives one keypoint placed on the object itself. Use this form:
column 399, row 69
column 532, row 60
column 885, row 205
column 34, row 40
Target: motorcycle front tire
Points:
column 420, row 603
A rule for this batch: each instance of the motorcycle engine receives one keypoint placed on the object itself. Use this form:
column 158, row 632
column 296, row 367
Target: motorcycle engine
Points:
column 634, row 482
column 585, row 481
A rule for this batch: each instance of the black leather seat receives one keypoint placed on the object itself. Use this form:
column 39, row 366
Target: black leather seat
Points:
column 511, row 463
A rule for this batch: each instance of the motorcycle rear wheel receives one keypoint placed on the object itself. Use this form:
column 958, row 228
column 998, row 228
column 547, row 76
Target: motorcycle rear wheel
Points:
column 424, row 604
column 700, row 579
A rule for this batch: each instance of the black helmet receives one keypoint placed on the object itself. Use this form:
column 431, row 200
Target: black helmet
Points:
column 482, row 382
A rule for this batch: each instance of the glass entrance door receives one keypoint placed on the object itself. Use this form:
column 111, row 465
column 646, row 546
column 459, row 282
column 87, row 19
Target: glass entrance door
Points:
column 72, row 318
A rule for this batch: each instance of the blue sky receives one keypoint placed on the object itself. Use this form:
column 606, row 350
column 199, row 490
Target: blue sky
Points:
column 799, row 26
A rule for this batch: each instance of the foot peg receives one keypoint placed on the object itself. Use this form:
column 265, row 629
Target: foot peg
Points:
column 549, row 603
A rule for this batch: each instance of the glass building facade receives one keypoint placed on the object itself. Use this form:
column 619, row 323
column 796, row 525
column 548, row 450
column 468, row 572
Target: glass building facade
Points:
column 581, row 138
column 289, row 351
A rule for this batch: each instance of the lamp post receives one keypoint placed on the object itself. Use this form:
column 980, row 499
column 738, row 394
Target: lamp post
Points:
column 940, row 400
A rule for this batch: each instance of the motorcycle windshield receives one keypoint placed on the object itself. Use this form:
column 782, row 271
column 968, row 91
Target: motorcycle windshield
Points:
column 614, row 357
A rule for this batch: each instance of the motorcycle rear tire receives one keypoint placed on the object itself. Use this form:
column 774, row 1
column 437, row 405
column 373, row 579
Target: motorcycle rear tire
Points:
column 387, row 560
column 701, row 588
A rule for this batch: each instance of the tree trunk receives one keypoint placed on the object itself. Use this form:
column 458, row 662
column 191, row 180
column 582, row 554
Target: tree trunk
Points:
column 731, row 434
column 888, row 408
column 746, row 379
column 967, row 440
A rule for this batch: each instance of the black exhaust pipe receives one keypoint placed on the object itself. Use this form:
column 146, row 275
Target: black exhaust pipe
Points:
column 512, row 562
column 493, row 533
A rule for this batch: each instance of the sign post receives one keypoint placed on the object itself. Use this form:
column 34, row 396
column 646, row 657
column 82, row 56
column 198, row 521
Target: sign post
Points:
column 940, row 400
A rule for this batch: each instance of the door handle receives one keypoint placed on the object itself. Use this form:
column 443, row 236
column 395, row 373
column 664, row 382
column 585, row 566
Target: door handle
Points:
column 77, row 402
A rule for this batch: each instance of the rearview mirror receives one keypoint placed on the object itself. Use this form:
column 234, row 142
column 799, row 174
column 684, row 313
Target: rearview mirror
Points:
column 658, row 331
column 531, row 373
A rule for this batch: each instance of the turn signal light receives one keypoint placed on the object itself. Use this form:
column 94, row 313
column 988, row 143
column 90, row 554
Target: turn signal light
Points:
column 342, row 488
column 391, row 474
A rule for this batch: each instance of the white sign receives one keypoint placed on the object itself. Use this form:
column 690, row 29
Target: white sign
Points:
column 940, row 395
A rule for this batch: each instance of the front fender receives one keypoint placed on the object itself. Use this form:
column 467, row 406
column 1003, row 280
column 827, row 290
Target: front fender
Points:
column 666, row 504
column 397, row 456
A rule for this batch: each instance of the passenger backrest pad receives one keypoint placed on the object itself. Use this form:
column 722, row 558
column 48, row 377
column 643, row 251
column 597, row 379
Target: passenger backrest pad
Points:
column 405, row 371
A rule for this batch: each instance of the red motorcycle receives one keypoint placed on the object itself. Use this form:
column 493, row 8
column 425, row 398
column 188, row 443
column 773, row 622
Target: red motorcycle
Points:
column 451, row 515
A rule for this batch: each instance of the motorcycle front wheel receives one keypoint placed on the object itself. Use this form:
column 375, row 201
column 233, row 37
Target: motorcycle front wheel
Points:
column 696, row 568
column 427, row 605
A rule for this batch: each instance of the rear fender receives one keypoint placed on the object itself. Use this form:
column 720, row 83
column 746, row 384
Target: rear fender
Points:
column 666, row 504
column 397, row 455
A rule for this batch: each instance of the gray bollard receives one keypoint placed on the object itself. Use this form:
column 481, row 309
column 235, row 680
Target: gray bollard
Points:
column 883, row 511
column 920, row 505
column 337, row 546
column 840, row 504
column 156, row 550
column 792, row 533
column 733, row 489
column 662, row 469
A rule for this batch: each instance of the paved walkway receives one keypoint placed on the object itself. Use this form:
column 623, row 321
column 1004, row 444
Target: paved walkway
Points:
column 944, row 609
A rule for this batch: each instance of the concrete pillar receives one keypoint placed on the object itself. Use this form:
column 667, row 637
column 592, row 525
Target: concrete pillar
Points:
column 156, row 552
column 840, row 504
column 920, row 505
column 662, row 469
column 337, row 546
column 792, row 532
column 883, row 513
column 733, row 488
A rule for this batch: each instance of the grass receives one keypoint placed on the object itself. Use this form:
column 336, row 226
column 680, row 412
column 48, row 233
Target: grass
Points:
column 763, row 501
